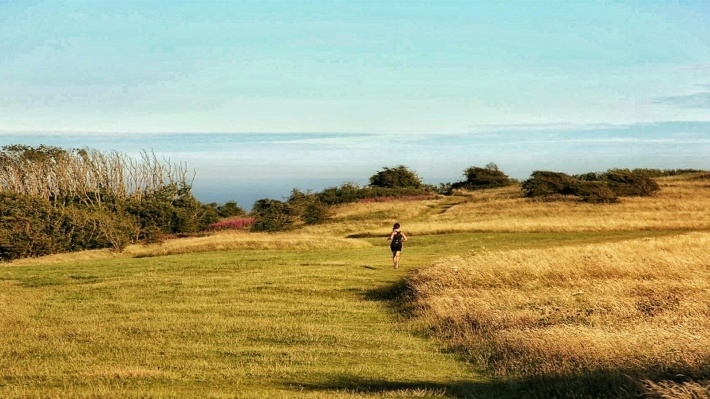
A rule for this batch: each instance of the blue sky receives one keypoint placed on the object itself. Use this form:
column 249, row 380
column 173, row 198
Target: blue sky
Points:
column 349, row 66
column 609, row 80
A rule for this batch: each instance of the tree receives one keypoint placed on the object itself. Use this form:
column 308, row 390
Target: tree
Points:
column 308, row 207
column 315, row 213
column 272, row 215
column 545, row 183
column 480, row 178
column 229, row 209
column 626, row 183
column 399, row 177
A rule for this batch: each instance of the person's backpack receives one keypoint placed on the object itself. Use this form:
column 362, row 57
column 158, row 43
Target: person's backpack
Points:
column 397, row 239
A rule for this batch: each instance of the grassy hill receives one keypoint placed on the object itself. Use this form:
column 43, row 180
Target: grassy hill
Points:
column 496, row 296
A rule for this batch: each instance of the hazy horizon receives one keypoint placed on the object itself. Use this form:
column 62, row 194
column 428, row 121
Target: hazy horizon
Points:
column 292, row 89
column 247, row 167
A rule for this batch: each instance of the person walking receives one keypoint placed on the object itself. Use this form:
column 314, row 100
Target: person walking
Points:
column 396, row 239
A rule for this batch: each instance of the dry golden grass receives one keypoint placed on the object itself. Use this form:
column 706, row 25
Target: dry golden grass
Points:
column 681, row 204
column 375, row 219
column 394, row 210
column 636, row 307
column 240, row 240
column 674, row 390
column 219, row 241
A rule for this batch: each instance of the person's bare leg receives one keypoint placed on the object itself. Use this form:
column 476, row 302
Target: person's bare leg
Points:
column 396, row 259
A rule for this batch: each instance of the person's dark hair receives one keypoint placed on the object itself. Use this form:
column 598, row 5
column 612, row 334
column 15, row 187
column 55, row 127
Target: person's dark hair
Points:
column 396, row 226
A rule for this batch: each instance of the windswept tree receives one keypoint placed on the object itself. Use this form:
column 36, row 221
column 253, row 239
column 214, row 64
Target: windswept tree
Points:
column 480, row 178
column 544, row 183
column 398, row 177
column 626, row 183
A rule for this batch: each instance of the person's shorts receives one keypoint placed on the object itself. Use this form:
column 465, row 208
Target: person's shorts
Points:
column 396, row 247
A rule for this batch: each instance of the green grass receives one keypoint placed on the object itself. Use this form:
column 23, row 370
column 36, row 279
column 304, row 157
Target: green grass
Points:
column 246, row 324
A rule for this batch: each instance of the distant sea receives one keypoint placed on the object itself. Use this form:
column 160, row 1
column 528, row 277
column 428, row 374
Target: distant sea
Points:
column 245, row 167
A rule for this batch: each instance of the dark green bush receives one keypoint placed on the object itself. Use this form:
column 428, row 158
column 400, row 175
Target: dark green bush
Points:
column 229, row 209
column 25, row 227
column 545, row 183
column 481, row 178
column 118, row 228
column 399, row 177
column 299, row 200
column 592, row 187
column 172, row 209
column 78, row 229
column 351, row 192
column 595, row 192
column 308, row 207
column 630, row 184
column 315, row 213
column 272, row 215
column 348, row 192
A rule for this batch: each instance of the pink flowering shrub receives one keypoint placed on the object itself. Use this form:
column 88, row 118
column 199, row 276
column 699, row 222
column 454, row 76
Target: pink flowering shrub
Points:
column 232, row 224
column 391, row 198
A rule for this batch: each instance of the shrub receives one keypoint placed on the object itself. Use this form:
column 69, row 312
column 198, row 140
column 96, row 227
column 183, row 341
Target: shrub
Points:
column 315, row 213
column 351, row 192
column 347, row 192
column 545, row 183
column 272, row 215
column 119, row 229
column 595, row 193
column 55, row 200
column 25, row 227
column 630, row 184
column 229, row 209
column 308, row 207
column 399, row 177
column 172, row 209
column 481, row 178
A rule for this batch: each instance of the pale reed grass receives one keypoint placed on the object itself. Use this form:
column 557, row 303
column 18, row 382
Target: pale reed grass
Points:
column 634, row 306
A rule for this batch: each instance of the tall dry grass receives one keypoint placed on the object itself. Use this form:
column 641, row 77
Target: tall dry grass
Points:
column 638, row 308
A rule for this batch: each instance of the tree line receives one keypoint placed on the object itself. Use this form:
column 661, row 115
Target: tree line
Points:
column 55, row 200
column 594, row 187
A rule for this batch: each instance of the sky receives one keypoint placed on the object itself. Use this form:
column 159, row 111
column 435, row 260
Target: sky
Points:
column 404, row 68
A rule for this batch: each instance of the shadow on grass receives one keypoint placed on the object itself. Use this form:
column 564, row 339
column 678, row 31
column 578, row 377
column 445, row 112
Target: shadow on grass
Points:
column 600, row 385
column 391, row 293
column 419, row 389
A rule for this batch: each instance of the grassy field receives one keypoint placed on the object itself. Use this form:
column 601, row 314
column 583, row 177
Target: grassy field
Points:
column 497, row 296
